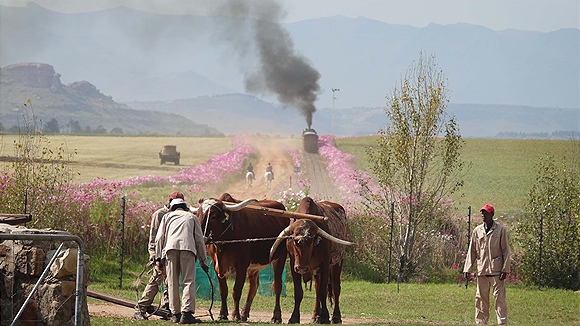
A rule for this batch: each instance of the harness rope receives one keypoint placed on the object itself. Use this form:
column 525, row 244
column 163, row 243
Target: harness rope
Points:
column 148, row 267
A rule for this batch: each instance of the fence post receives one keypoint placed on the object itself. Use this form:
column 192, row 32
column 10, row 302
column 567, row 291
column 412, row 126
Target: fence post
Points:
column 468, row 238
column 391, row 241
column 122, row 253
column 540, row 251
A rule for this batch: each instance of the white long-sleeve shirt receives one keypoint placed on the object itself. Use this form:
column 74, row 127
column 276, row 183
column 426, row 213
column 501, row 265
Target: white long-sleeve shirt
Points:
column 180, row 230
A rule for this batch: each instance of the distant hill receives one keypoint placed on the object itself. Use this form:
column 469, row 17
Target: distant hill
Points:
column 239, row 113
column 80, row 105
column 138, row 56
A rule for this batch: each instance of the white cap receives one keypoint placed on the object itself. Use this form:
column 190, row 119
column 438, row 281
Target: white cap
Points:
column 176, row 201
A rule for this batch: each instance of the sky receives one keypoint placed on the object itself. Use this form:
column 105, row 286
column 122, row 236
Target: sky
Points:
column 533, row 15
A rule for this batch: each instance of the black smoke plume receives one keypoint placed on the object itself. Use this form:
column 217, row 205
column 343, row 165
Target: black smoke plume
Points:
column 280, row 71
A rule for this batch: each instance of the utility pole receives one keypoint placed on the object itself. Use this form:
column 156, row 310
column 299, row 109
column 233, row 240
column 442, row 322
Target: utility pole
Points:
column 334, row 90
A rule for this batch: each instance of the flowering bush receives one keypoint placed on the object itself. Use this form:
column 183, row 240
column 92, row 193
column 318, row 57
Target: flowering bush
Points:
column 353, row 185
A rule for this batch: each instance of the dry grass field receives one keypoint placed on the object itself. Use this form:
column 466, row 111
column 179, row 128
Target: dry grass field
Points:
column 120, row 157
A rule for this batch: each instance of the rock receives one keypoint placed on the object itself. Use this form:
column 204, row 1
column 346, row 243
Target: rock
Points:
column 22, row 262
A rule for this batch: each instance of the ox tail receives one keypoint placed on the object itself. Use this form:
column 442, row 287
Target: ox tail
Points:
column 330, row 296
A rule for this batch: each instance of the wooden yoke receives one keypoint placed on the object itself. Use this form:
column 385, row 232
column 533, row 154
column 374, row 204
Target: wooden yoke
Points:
column 281, row 213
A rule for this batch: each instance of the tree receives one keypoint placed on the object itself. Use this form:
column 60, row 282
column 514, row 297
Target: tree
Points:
column 116, row 131
column 75, row 127
column 550, row 235
column 100, row 130
column 417, row 160
column 52, row 127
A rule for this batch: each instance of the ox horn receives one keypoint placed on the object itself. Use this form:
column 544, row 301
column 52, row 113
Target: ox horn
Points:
column 327, row 236
column 281, row 236
column 239, row 206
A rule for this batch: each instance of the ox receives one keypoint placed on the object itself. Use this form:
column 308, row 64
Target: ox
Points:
column 314, row 252
column 226, row 228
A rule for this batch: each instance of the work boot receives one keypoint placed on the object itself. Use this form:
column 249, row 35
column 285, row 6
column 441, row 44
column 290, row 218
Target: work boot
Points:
column 166, row 309
column 188, row 318
column 175, row 318
column 139, row 315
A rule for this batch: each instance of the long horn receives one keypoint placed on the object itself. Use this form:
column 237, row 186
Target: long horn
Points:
column 281, row 236
column 327, row 236
column 239, row 206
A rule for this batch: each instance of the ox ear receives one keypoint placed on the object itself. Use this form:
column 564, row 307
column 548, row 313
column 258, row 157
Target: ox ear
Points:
column 225, row 218
column 317, row 240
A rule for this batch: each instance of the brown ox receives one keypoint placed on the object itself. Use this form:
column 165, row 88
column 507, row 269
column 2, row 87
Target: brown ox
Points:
column 227, row 228
column 315, row 250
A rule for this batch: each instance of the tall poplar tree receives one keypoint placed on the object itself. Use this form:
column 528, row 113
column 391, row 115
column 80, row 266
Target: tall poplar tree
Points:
column 417, row 158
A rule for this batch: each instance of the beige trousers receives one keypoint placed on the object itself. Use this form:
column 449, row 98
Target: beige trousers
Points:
column 151, row 290
column 484, row 284
column 181, row 262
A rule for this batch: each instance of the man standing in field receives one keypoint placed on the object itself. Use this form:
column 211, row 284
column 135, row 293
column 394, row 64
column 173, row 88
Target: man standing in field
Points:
column 144, row 305
column 178, row 243
column 489, row 248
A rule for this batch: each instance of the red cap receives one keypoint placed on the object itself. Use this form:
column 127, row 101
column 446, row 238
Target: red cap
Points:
column 176, row 194
column 488, row 208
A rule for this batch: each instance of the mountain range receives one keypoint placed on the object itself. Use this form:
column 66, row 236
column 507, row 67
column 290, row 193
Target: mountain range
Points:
column 518, row 81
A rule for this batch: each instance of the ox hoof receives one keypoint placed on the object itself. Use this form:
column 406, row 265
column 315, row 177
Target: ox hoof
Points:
column 222, row 317
column 319, row 320
column 336, row 320
column 275, row 320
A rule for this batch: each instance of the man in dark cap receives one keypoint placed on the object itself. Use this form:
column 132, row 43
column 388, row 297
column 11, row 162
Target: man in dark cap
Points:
column 489, row 248
column 144, row 305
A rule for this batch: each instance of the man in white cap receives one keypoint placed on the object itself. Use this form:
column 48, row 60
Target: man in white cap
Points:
column 144, row 305
column 178, row 243
column 489, row 248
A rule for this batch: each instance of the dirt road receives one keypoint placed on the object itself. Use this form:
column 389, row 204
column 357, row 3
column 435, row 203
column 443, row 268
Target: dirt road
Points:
column 274, row 151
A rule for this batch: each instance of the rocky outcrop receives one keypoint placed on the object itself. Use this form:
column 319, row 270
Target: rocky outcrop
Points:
column 37, row 84
column 22, row 262
column 31, row 74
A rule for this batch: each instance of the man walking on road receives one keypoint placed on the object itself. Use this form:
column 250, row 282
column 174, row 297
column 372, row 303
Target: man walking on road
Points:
column 489, row 248
column 144, row 305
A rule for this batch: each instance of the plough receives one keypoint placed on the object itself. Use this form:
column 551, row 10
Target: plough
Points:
column 162, row 312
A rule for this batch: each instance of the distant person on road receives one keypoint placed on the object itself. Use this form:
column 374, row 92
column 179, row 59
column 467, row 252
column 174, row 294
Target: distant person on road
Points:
column 144, row 305
column 489, row 248
column 250, row 168
column 269, row 169
column 178, row 244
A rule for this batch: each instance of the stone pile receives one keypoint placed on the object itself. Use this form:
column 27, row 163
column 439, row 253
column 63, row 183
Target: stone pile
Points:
column 22, row 262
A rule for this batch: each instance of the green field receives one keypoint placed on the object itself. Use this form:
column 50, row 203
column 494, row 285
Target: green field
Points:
column 501, row 171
